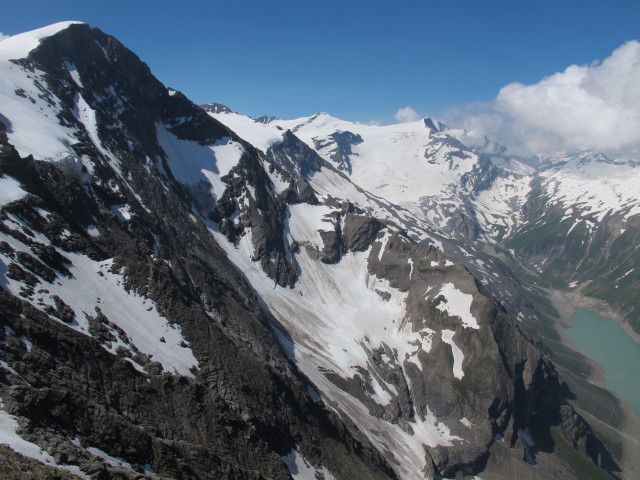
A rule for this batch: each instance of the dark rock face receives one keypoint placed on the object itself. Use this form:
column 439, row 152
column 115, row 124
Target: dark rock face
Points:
column 434, row 126
column 295, row 156
column 360, row 231
column 245, row 405
column 340, row 144
column 215, row 108
column 264, row 215
column 158, row 422
column 266, row 119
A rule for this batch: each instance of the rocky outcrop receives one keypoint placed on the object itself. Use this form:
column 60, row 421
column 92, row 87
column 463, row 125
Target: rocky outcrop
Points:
column 215, row 108
column 339, row 144
column 360, row 231
column 523, row 392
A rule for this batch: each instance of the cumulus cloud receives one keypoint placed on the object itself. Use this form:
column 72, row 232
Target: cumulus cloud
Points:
column 406, row 114
column 585, row 107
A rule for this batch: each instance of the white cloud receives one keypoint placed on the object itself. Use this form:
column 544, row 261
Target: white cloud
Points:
column 406, row 114
column 585, row 107
column 3, row 36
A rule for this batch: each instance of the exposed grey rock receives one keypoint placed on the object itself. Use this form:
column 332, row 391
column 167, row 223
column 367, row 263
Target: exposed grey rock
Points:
column 295, row 156
column 247, row 405
column 266, row 119
column 215, row 108
column 435, row 127
column 359, row 231
column 340, row 144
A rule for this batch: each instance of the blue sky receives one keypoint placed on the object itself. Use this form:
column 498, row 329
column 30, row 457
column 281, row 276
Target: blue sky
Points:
column 358, row 60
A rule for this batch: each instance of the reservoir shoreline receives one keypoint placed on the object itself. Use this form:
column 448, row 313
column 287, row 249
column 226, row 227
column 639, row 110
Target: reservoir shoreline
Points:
column 566, row 304
column 566, row 307
column 595, row 305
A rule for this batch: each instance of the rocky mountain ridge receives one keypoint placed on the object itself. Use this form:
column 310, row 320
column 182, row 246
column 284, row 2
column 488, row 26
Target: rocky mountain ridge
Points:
column 184, row 300
column 99, row 381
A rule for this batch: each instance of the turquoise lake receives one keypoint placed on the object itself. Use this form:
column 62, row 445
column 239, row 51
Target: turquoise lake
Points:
column 602, row 340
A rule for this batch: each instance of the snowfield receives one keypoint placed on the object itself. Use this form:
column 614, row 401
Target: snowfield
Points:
column 457, row 304
column 391, row 162
column 592, row 186
column 10, row 190
column 193, row 164
column 34, row 129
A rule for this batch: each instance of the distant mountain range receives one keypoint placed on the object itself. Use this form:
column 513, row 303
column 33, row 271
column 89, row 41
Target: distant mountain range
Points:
column 191, row 293
column 571, row 218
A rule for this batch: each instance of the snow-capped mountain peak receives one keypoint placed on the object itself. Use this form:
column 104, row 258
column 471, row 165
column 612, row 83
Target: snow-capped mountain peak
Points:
column 400, row 162
column 19, row 46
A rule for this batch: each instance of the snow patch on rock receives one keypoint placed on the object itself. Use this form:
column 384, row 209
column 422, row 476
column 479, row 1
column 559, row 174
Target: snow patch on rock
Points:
column 95, row 285
column 194, row 164
column 301, row 469
column 457, row 304
column 458, row 356
column 9, row 436
column 10, row 190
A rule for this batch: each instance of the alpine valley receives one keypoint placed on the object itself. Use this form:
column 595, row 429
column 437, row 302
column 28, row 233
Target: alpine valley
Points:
column 190, row 293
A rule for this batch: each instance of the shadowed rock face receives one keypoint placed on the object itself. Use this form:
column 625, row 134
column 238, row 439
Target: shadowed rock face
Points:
column 359, row 232
column 243, row 404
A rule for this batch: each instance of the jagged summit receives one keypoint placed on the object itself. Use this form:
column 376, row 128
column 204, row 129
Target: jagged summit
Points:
column 266, row 119
column 436, row 126
column 215, row 108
